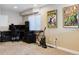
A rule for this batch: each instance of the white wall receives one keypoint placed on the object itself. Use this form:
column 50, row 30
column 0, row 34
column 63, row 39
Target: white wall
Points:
column 13, row 17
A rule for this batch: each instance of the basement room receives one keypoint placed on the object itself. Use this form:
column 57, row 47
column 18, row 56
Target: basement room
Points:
column 39, row 29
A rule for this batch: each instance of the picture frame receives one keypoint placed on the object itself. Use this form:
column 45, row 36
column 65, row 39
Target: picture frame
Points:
column 71, row 16
column 52, row 19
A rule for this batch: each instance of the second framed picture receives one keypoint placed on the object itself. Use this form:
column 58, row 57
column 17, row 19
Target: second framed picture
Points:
column 71, row 16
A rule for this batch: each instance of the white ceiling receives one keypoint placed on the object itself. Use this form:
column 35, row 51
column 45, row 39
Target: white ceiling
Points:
column 21, row 7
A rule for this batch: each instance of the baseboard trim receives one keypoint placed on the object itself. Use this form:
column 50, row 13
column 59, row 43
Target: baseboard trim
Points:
column 65, row 49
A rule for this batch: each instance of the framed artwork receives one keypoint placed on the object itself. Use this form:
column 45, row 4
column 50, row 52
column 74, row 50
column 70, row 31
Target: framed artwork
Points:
column 71, row 16
column 52, row 19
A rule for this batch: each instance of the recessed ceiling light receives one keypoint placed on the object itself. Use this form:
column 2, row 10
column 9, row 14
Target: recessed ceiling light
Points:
column 15, row 7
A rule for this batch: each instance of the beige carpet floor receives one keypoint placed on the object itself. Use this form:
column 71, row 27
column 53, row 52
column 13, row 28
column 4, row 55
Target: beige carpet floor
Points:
column 22, row 48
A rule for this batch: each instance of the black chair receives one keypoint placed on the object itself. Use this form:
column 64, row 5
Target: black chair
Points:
column 29, row 37
column 15, row 34
column 5, row 36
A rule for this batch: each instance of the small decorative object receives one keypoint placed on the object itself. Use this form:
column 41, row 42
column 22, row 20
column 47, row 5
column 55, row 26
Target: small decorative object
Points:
column 52, row 19
column 71, row 16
